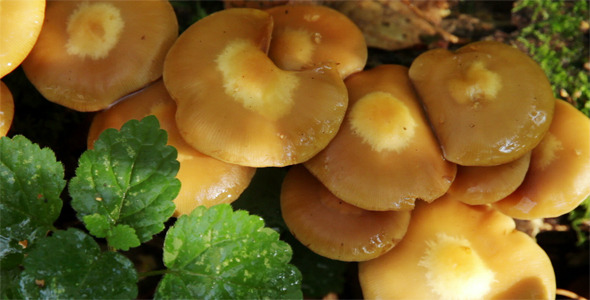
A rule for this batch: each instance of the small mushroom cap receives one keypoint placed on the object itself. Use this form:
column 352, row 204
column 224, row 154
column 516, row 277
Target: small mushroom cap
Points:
column 457, row 251
column 6, row 109
column 236, row 105
column 485, row 185
column 20, row 25
column 308, row 35
column 91, row 53
column 488, row 102
column 385, row 156
column 204, row 180
column 558, row 179
column 332, row 228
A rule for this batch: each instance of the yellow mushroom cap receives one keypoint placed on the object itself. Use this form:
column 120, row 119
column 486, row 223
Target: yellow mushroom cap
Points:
column 385, row 156
column 488, row 102
column 308, row 35
column 236, row 105
column 485, row 185
column 558, row 179
column 332, row 228
column 457, row 251
column 6, row 109
column 205, row 180
column 20, row 25
column 91, row 53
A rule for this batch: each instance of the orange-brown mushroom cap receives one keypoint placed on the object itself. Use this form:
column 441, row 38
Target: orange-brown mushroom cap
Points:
column 385, row 155
column 488, row 103
column 6, row 109
column 205, row 180
column 91, row 53
column 308, row 35
column 236, row 105
column 331, row 227
column 457, row 251
column 558, row 179
column 485, row 185
column 20, row 25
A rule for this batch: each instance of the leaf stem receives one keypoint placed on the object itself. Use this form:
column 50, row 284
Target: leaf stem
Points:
column 153, row 273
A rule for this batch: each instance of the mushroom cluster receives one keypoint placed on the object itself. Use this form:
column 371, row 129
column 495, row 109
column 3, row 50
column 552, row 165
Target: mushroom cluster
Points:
column 414, row 172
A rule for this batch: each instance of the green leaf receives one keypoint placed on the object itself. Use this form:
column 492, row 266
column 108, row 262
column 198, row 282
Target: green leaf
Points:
column 122, row 237
column 127, row 179
column 31, row 181
column 320, row 275
column 219, row 253
column 70, row 264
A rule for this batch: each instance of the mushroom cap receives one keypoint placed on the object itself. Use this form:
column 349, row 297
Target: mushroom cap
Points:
column 6, row 109
column 332, row 228
column 457, row 251
column 485, row 185
column 488, row 103
column 385, row 155
column 236, row 105
column 91, row 53
column 20, row 25
column 204, row 180
column 308, row 35
column 558, row 179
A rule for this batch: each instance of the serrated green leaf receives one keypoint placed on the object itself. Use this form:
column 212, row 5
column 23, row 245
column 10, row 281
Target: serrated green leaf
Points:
column 122, row 237
column 320, row 275
column 97, row 224
column 218, row 253
column 129, row 179
column 31, row 181
column 70, row 264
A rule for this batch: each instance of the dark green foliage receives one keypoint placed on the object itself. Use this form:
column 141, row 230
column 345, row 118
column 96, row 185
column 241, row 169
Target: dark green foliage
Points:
column 220, row 253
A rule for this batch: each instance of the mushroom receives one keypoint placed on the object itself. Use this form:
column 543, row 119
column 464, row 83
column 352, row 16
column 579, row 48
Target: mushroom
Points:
column 332, row 228
column 558, row 179
column 236, row 105
column 488, row 103
column 91, row 53
column 385, row 156
column 308, row 35
column 20, row 25
column 485, row 185
column 6, row 109
column 204, row 180
column 457, row 251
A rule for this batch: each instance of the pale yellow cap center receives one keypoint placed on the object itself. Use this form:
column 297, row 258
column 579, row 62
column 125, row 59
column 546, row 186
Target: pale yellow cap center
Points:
column 251, row 78
column 477, row 84
column 454, row 269
column 94, row 30
column 382, row 121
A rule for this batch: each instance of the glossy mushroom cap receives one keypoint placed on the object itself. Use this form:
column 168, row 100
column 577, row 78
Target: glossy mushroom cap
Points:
column 488, row 102
column 205, row 180
column 457, row 251
column 332, row 228
column 6, row 109
column 305, row 36
column 20, row 25
column 558, row 179
column 385, row 156
column 236, row 105
column 485, row 185
column 91, row 53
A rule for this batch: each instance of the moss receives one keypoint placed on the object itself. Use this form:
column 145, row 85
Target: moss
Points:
column 556, row 36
